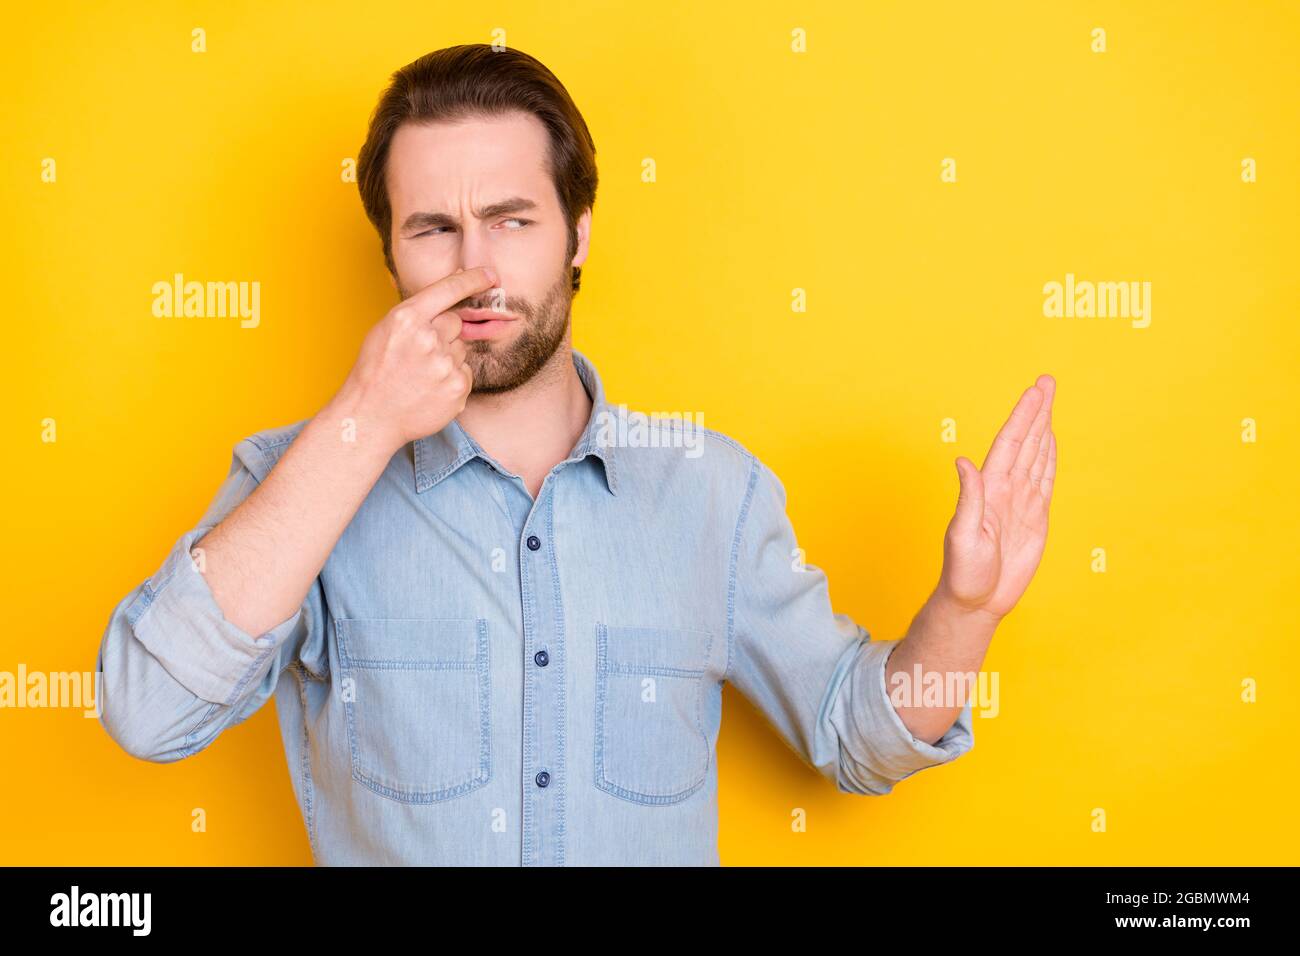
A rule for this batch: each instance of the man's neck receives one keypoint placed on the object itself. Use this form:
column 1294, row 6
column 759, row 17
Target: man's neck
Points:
column 534, row 427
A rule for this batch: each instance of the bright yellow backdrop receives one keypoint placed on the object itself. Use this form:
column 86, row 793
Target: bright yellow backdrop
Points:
column 776, row 171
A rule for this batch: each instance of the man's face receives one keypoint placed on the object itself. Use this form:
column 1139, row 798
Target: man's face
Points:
column 478, row 193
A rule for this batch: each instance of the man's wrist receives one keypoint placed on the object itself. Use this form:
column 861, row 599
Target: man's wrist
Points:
column 953, row 615
column 352, row 422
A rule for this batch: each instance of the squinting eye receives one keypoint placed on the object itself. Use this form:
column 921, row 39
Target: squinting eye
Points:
column 437, row 229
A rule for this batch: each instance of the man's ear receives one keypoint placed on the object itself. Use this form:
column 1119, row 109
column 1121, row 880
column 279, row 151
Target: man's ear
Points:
column 583, row 228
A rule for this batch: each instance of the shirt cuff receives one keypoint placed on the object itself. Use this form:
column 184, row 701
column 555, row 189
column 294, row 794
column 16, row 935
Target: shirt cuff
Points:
column 177, row 618
column 884, row 751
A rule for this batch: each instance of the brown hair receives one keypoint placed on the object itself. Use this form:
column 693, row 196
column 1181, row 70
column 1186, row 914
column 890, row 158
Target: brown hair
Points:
column 470, row 80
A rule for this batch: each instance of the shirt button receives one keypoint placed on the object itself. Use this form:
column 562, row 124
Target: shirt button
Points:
column 543, row 778
column 534, row 542
column 542, row 658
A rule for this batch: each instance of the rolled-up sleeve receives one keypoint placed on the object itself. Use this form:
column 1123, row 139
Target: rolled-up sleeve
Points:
column 175, row 672
column 817, row 676
column 178, row 619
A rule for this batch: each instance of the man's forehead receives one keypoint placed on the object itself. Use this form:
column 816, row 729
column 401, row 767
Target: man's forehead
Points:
column 480, row 159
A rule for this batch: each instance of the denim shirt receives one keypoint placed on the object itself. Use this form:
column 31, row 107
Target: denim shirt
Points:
column 480, row 678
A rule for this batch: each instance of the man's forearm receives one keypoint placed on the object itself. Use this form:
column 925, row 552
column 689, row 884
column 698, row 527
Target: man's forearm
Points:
column 261, row 560
column 943, row 639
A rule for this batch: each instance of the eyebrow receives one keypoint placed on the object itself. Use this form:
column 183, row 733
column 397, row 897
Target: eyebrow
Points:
column 419, row 221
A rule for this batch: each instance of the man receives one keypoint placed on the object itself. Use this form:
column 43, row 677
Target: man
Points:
column 496, row 632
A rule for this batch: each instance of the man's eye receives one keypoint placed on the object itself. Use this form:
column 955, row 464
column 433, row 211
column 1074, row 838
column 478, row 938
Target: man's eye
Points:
column 438, row 229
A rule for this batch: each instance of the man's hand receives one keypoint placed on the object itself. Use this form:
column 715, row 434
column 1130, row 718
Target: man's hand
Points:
column 990, row 552
column 995, row 540
column 411, row 377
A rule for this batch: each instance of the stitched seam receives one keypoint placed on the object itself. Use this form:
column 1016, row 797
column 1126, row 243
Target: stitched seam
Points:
column 529, row 760
column 735, row 555
column 288, row 434
column 308, row 786
column 188, row 747
column 248, row 675
column 424, row 482
column 560, row 717
column 368, row 776
column 603, row 670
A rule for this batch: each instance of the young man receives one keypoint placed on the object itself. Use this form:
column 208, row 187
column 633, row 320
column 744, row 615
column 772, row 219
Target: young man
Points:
column 497, row 632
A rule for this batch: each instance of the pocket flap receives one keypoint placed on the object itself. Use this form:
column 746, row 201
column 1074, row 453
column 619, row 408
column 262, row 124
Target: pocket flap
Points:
column 642, row 647
column 397, row 641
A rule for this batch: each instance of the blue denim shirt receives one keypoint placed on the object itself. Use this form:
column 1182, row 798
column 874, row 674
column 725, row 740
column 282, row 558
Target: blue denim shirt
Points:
column 478, row 677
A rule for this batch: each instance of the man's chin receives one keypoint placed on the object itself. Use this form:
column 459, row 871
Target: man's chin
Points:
column 492, row 387
column 491, row 375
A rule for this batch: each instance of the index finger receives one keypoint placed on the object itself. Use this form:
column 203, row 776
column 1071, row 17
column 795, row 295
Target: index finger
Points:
column 439, row 296
column 1012, row 435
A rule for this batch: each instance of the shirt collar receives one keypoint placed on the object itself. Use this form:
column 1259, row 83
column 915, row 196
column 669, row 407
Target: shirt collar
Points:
column 440, row 454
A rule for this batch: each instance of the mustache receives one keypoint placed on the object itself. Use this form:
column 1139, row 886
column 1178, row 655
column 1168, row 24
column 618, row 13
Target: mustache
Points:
column 513, row 306
column 500, row 305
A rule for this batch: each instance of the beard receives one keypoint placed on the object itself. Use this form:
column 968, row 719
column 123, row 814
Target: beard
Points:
column 502, row 367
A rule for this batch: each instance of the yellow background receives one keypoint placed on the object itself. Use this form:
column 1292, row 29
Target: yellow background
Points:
column 776, row 171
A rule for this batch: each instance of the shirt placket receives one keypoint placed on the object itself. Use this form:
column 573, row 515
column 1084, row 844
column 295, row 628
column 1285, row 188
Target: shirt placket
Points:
column 543, row 781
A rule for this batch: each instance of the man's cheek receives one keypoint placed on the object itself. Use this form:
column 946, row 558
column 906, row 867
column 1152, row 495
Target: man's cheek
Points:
column 414, row 276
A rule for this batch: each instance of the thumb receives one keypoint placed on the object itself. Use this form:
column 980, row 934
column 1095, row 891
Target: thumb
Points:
column 970, row 500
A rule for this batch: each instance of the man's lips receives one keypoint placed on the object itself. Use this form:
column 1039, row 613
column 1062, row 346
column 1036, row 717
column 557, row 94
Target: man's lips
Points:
column 483, row 315
column 483, row 323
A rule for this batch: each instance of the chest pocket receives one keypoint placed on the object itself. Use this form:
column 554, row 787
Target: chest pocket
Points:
column 651, row 746
column 416, row 696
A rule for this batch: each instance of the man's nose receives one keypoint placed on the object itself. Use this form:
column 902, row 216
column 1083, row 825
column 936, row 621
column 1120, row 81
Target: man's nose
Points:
column 475, row 253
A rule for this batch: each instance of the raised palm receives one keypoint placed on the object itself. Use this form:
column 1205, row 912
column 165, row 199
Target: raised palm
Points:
column 996, row 537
